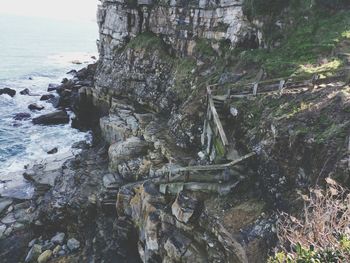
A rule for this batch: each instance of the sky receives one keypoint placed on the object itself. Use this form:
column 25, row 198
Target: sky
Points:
column 82, row 10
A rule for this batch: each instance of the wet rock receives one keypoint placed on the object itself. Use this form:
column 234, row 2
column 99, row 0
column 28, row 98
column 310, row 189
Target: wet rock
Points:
column 53, row 87
column 64, row 80
column 22, row 116
column 8, row 91
column 25, row 92
column 184, row 207
column 57, row 117
column 53, row 151
column 81, row 145
column 35, row 106
column 76, row 62
column 87, row 73
column 73, row 244
column 72, row 72
column 45, row 256
column 33, row 254
column 58, row 239
column 47, row 97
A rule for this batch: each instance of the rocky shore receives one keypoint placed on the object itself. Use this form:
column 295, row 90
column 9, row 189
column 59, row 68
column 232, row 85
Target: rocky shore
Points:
column 105, row 204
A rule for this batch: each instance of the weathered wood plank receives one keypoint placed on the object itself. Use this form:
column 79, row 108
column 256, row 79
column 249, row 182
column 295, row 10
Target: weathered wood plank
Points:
column 255, row 89
column 281, row 86
column 217, row 119
column 213, row 167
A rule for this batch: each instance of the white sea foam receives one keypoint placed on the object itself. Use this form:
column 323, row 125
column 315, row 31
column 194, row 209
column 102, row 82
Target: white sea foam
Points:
column 30, row 143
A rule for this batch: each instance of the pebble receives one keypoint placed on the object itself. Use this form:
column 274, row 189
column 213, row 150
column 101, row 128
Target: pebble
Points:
column 57, row 249
column 45, row 256
column 58, row 238
column 32, row 242
column 73, row 244
column 33, row 253
column 48, row 245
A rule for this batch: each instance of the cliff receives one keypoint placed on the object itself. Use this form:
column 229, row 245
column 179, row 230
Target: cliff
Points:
column 206, row 124
column 156, row 60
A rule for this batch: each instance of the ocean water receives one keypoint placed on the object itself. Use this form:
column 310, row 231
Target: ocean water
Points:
column 33, row 53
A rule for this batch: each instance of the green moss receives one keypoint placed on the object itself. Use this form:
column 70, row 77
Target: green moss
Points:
column 204, row 48
column 147, row 41
column 333, row 131
column 184, row 76
column 300, row 50
column 219, row 147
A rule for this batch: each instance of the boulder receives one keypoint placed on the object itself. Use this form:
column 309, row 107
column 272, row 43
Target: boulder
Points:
column 58, row 238
column 73, row 244
column 4, row 204
column 57, row 117
column 33, row 253
column 185, row 207
column 176, row 246
column 35, row 106
column 8, row 91
column 47, row 97
column 123, row 151
column 110, row 181
column 22, row 116
column 56, row 250
column 45, row 256
column 25, row 92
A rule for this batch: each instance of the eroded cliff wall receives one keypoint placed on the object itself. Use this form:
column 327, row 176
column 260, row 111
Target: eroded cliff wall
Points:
column 178, row 23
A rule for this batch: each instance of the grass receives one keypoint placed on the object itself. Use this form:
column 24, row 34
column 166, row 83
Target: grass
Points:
column 184, row 76
column 148, row 41
column 203, row 48
column 301, row 50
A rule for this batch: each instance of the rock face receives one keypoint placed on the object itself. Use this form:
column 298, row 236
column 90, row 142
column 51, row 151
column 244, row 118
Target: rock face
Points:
column 180, row 23
column 131, row 148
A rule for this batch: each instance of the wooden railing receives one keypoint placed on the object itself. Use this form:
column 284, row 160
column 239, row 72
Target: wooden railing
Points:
column 213, row 130
column 239, row 89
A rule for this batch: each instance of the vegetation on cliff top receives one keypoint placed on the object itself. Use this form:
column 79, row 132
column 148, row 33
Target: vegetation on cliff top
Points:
column 307, row 49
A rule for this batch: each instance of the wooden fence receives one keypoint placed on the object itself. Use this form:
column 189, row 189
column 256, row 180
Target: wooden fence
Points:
column 214, row 136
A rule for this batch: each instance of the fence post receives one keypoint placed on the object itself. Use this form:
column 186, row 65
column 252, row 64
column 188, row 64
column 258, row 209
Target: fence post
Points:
column 255, row 88
column 281, row 85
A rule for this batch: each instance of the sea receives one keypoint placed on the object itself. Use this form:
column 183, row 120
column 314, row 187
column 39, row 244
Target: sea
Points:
column 35, row 52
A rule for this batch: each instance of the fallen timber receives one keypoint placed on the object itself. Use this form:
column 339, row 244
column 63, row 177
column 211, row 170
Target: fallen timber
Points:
column 171, row 179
